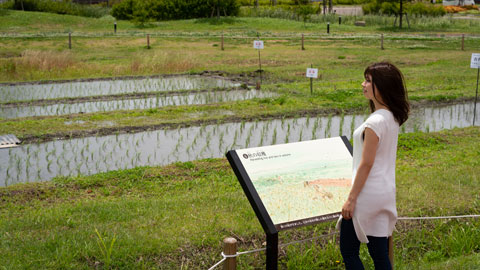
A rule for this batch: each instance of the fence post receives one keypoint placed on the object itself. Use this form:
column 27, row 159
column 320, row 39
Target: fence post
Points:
column 148, row 41
column 115, row 27
column 222, row 42
column 390, row 250
column 463, row 42
column 381, row 43
column 230, row 248
column 303, row 47
column 69, row 40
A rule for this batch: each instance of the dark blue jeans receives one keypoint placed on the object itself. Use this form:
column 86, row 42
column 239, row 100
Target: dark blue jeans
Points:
column 350, row 248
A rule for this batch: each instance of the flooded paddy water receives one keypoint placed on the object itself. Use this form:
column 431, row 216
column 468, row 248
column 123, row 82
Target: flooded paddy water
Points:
column 43, row 161
column 9, row 112
column 41, row 91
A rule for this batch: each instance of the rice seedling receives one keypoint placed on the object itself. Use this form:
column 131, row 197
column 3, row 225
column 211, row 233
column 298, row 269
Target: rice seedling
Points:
column 234, row 142
column 352, row 126
column 342, row 119
column 314, row 129
column 49, row 164
column 274, row 136
column 329, row 125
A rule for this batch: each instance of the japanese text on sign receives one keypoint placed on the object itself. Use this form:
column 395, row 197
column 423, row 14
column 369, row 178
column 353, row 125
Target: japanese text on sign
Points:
column 312, row 72
column 475, row 63
column 258, row 44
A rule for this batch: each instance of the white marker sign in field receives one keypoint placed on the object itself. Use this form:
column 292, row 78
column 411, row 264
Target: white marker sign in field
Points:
column 258, row 44
column 475, row 63
column 312, row 73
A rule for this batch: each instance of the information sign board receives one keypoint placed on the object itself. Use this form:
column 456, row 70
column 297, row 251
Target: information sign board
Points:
column 312, row 73
column 475, row 62
column 258, row 44
column 295, row 184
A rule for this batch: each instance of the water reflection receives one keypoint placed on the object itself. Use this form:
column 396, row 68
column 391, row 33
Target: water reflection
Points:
column 132, row 104
column 27, row 92
column 40, row 162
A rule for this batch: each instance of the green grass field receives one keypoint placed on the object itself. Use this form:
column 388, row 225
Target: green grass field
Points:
column 175, row 217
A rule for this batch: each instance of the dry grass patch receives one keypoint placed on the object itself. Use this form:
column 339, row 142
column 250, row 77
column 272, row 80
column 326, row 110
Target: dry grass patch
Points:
column 45, row 60
column 164, row 62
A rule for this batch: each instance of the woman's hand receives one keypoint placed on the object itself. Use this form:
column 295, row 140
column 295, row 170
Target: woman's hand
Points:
column 348, row 208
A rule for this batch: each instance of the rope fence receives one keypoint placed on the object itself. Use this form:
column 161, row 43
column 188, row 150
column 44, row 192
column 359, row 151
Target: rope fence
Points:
column 230, row 243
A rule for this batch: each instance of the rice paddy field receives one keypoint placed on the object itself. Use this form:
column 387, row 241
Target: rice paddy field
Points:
column 122, row 164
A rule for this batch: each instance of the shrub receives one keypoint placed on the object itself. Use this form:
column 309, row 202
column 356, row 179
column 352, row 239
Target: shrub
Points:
column 123, row 10
column 423, row 9
column 392, row 8
column 173, row 9
column 59, row 7
column 389, row 8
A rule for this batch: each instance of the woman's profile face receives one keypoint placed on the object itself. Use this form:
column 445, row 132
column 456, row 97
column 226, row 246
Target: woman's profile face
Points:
column 367, row 87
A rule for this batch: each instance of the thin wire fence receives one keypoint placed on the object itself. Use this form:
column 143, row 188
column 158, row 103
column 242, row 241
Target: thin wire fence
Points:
column 229, row 35
column 330, row 234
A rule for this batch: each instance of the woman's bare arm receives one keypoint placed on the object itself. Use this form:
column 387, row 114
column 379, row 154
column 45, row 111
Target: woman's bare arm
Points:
column 369, row 151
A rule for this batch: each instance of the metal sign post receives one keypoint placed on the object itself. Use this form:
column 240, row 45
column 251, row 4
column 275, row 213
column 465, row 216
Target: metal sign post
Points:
column 476, row 95
column 258, row 44
column 475, row 63
column 312, row 73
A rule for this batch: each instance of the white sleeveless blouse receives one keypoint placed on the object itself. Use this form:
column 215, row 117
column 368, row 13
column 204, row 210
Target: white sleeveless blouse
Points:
column 375, row 213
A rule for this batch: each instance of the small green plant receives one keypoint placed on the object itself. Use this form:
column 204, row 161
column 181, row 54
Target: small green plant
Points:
column 106, row 251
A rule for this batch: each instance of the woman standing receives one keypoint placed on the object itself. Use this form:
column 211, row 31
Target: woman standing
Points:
column 369, row 214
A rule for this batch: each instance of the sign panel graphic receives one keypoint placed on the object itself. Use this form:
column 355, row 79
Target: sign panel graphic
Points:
column 298, row 183
column 312, row 73
column 475, row 62
column 258, row 44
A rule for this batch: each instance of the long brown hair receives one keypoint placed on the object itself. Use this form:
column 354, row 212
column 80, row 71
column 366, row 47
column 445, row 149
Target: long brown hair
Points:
column 389, row 82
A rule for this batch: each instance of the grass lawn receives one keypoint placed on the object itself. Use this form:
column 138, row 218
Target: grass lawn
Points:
column 177, row 216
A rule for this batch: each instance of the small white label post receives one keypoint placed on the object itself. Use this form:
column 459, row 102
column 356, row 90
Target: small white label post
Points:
column 475, row 63
column 258, row 44
column 312, row 73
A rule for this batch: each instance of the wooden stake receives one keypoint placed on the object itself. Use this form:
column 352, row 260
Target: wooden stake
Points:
column 69, row 40
column 222, row 42
column 230, row 248
column 463, row 42
column 381, row 46
column 311, row 82
column 148, row 41
column 303, row 47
